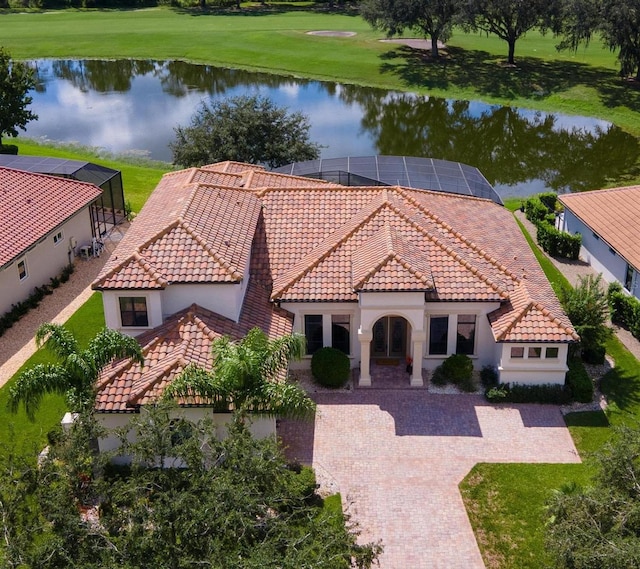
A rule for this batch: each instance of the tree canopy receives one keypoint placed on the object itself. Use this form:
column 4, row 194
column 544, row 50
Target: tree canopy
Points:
column 247, row 128
column 75, row 373
column 599, row 527
column 431, row 18
column 234, row 504
column 16, row 80
column 508, row 19
column 617, row 22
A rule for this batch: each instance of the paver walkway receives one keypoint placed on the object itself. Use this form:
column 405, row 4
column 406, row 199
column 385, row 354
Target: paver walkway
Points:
column 397, row 457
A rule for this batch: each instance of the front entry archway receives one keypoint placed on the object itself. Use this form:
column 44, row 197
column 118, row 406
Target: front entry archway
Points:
column 389, row 337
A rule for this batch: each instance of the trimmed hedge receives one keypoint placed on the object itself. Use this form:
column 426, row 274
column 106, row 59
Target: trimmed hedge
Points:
column 558, row 243
column 578, row 382
column 540, row 210
column 330, row 367
column 547, row 393
column 625, row 309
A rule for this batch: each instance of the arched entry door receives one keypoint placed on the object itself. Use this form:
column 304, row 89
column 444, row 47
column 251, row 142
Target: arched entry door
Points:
column 389, row 337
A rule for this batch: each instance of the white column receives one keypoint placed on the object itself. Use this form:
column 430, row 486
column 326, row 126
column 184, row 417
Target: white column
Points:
column 418, row 338
column 365, row 337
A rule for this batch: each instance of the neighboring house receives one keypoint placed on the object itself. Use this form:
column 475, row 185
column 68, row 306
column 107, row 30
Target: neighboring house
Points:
column 44, row 221
column 108, row 210
column 378, row 272
column 609, row 222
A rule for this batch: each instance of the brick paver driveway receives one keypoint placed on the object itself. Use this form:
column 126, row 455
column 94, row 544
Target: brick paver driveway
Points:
column 397, row 457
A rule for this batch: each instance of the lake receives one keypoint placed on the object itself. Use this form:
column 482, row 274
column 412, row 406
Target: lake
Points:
column 133, row 106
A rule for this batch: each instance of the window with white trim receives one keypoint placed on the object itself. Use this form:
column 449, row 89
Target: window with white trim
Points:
column 551, row 353
column 313, row 332
column 133, row 311
column 466, row 334
column 517, row 352
column 58, row 237
column 438, row 335
column 341, row 332
column 22, row 269
column 535, row 353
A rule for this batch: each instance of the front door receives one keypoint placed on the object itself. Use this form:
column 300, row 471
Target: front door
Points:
column 389, row 337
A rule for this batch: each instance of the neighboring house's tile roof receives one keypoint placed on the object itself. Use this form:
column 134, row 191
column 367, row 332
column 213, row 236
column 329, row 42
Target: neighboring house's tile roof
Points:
column 614, row 215
column 33, row 205
column 184, row 338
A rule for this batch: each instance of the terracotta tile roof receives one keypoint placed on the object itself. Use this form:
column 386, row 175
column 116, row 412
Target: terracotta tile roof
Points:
column 325, row 242
column 614, row 215
column 187, row 232
column 386, row 260
column 184, row 338
column 33, row 205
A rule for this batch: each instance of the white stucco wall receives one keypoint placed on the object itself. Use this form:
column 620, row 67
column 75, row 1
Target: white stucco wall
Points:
column 45, row 260
column 260, row 426
column 533, row 371
column 224, row 299
column 111, row 305
column 597, row 253
column 326, row 309
column 485, row 352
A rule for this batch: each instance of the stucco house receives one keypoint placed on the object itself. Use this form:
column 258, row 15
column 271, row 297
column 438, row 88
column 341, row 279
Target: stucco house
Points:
column 44, row 221
column 609, row 222
column 378, row 272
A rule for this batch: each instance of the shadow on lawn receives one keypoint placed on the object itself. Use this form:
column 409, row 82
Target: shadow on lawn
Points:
column 486, row 73
column 621, row 387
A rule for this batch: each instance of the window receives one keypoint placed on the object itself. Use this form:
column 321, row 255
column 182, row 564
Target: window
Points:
column 22, row 269
column 466, row 334
column 341, row 332
column 628, row 278
column 551, row 353
column 517, row 353
column 133, row 311
column 58, row 237
column 535, row 352
column 438, row 332
column 313, row 332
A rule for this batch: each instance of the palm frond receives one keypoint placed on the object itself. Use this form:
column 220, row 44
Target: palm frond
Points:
column 34, row 383
column 284, row 400
column 57, row 339
column 280, row 352
column 109, row 344
column 197, row 382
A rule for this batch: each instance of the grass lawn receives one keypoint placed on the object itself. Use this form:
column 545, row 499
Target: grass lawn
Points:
column 138, row 177
column 273, row 39
column 505, row 502
column 27, row 437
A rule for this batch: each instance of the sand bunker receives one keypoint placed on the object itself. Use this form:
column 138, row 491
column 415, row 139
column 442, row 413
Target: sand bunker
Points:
column 331, row 33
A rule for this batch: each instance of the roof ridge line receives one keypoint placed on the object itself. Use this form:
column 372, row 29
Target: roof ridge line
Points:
column 230, row 269
column 517, row 319
column 458, row 235
column 547, row 313
column 149, row 268
column 453, row 254
column 327, row 246
column 168, row 365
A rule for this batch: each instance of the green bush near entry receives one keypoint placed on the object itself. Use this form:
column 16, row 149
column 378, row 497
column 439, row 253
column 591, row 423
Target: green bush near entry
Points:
column 578, row 381
column 456, row 369
column 330, row 367
column 516, row 393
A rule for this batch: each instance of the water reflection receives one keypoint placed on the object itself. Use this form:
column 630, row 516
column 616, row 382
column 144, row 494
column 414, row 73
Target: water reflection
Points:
column 134, row 105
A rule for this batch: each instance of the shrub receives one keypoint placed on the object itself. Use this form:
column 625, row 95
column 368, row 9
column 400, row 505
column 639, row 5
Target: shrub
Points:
column 534, row 210
column 489, row 376
column 457, row 368
column 625, row 309
column 544, row 393
column 330, row 367
column 594, row 355
column 438, row 377
column 557, row 243
column 578, row 382
column 8, row 149
column 549, row 200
